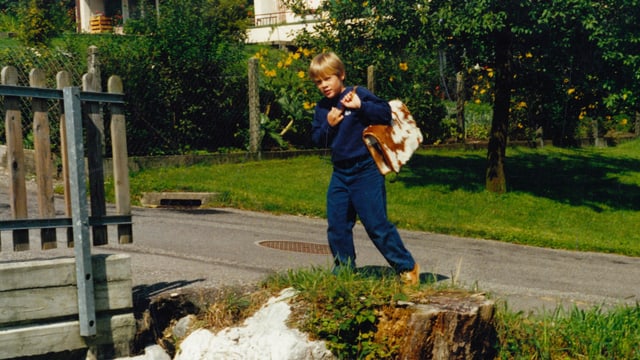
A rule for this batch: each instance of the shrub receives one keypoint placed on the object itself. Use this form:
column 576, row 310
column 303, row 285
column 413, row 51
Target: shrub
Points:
column 184, row 79
column 287, row 97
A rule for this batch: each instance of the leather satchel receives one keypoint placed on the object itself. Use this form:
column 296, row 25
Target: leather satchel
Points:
column 391, row 146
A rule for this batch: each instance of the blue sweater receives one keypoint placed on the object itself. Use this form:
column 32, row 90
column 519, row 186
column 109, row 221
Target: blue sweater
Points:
column 345, row 139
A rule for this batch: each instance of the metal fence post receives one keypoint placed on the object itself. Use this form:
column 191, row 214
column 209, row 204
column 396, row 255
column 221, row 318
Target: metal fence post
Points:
column 79, row 213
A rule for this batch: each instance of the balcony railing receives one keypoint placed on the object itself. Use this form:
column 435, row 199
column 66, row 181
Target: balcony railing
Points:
column 270, row 19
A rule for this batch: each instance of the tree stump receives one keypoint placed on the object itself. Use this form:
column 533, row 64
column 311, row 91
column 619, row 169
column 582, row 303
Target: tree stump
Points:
column 450, row 325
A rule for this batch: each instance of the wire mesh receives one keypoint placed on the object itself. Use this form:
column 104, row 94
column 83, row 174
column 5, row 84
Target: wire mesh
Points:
column 197, row 120
column 25, row 59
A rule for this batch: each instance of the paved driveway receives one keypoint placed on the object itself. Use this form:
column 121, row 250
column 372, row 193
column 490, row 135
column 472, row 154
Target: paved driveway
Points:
column 175, row 249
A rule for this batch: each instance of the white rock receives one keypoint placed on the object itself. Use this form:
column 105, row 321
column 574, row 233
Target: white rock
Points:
column 152, row 352
column 264, row 335
column 181, row 328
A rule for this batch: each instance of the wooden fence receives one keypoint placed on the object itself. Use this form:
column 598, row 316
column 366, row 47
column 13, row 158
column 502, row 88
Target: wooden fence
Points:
column 81, row 120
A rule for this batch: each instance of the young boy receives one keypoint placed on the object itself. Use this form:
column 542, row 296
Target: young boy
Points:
column 356, row 186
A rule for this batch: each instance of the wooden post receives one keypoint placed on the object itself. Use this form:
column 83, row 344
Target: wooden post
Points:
column 371, row 80
column 539, row 137
column 95, row 146
column 43, row 159
column 93, row 67
column 63, row 79
column 120, row 162
column 254, row 106
column 15, row 158
column 460, row 106
column 597, row 140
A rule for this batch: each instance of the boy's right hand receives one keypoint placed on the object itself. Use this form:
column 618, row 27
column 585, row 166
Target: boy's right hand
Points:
column 335, row 116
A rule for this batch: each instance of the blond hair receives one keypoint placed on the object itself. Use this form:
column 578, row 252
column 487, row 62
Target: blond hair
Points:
column 326, row 64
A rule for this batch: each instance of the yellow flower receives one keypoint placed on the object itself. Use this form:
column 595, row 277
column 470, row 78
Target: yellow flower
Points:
column 296, row 55
column 270, row 73
column 522, row 104
column 280, row 64
column 490, row 72
column 571, row 91
column 528, row 55
column 301, row 74
column 623, row 122
column 404, row 66
column 308, row 105
column 391, row 78
column 477, row 101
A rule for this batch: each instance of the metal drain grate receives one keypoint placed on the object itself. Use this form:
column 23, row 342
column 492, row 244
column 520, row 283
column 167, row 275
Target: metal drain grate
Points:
column 297, row 246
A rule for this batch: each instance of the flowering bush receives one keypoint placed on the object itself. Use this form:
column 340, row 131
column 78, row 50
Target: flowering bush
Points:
column 287, row 97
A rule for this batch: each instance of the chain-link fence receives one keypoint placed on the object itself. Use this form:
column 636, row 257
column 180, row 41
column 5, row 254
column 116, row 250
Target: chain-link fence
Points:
column 184, row 120
column 26, row 59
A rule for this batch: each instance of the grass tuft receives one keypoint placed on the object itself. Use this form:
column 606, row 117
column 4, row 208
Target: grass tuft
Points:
column 571, row 334
column 352, row 310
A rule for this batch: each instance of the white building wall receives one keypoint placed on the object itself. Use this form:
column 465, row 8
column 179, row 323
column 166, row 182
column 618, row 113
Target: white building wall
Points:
column 266, row 6
column 89, row 8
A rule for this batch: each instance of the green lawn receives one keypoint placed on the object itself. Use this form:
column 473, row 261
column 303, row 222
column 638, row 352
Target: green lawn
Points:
column 580, row 199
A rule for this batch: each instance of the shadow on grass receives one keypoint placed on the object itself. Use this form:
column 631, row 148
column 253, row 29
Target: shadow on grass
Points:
column 380, row 272
column 581, row 178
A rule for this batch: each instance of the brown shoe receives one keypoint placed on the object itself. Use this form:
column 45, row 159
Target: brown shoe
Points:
column 411, row 277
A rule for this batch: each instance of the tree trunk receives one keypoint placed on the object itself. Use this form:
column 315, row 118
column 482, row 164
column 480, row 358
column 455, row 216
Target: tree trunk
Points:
column 451, row 326
column 495, row 177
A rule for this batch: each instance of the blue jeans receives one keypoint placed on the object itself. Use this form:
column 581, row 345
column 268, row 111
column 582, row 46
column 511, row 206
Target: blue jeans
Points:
column 359, row 189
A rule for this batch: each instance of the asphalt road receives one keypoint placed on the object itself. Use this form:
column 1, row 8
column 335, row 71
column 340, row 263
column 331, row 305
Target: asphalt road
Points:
column 175, row 249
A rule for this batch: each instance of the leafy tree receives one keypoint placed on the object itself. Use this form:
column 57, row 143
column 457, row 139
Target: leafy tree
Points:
column 568, row 64
column 194, row 49
column 616, row 34
column 387, row 35
column 35, row 27
column 183, row 77
column 41, row 20
column 8, row 6
column 555, row 66
column 486, row 31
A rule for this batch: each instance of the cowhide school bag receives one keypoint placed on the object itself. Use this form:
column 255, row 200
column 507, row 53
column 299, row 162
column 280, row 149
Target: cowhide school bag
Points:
column 391, row 146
